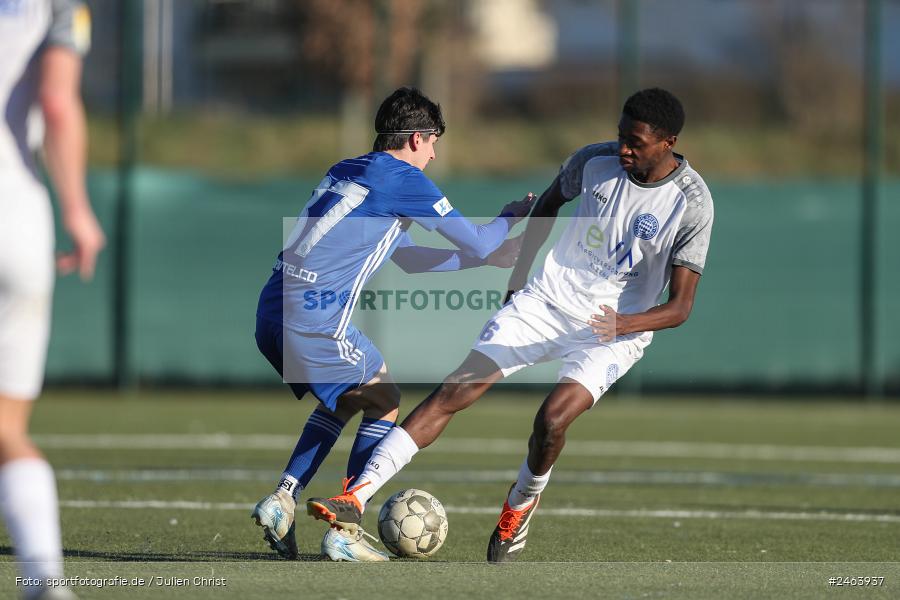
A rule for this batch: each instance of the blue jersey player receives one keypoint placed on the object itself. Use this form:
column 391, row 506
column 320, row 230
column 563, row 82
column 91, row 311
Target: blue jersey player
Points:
column 357, row 218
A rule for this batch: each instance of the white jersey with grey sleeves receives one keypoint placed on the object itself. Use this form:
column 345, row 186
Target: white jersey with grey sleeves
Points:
column 625, row 237
column 27, row 26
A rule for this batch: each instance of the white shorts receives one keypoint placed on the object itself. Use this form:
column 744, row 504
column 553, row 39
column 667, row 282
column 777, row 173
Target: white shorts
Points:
column 26, row 286
column 529, row 330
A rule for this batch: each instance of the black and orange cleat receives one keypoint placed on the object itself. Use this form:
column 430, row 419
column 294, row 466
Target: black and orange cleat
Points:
column 343, row 511
column 511, row 533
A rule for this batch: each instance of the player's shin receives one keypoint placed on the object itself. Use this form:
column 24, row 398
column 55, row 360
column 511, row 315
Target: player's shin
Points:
column 371, row 432
column 393, row 453
column 319, row 435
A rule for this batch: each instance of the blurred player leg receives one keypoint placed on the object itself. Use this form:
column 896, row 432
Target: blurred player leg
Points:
column 28, row 496
column 27, row 485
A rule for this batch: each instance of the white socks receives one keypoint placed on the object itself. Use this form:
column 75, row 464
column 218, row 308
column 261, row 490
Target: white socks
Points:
column 28, row 500
column 288, row 483
column 527, row 487
column 392, row 454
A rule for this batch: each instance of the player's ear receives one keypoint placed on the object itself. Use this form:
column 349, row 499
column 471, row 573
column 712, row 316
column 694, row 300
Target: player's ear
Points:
column 414, row 141
column 670, row 141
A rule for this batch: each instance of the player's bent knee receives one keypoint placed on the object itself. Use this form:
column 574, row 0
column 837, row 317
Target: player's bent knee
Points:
column 457, row 377
column 384, row 398
column 476, row 369
column 391, row 397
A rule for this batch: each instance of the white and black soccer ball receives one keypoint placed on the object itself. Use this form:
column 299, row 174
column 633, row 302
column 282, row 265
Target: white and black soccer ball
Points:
column 412, row 524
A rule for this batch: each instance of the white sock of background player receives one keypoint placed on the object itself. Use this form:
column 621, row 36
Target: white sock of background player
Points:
column 392, row 454
column 31, row 512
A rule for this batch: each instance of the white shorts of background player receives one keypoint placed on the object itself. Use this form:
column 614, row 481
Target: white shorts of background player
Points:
column 26, row 285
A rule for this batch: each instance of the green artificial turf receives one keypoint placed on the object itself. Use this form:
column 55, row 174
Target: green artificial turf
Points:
column 654, row 498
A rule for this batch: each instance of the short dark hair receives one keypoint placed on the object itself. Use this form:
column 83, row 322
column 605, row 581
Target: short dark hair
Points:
column 407, row 109
column 656, row 107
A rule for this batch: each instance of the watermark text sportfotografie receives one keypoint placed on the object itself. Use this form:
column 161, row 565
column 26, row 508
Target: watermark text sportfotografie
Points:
column 117, row 581
column 402, row 299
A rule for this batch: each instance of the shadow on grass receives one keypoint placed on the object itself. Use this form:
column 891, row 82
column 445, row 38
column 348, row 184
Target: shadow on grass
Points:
column 180, row 557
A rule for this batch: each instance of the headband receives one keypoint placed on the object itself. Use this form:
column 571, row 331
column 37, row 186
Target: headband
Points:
column 405, row 131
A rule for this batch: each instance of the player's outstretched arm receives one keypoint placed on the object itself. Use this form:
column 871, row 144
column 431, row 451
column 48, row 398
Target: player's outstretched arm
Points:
column 482, row 240
column 536, row 233
column 682, row 289
column 422, row 259
column 65, row 148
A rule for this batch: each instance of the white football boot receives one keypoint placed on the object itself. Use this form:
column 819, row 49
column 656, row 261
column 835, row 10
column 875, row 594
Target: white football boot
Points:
column 275, row 514
column 341, row 545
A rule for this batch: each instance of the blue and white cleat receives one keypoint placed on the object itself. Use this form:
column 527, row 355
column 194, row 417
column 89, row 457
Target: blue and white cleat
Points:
column 275, row 514
column 341, row 545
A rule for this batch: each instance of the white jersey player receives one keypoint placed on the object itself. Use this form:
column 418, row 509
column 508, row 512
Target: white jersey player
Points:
column 41, row 42
column 643, row 223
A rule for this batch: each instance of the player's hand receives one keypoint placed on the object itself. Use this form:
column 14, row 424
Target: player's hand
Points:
column 606, row 326
column 87, row 241
column 516, row 211
column 506, row 255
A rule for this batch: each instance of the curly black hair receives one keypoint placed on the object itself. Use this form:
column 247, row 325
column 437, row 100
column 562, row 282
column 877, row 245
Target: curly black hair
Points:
column 407, row 109
column 657, row 108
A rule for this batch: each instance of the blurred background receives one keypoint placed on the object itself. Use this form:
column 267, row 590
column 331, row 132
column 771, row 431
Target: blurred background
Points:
column 211, row 120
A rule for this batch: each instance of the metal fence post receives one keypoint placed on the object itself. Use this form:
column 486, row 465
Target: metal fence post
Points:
column 627, row 48
column 130, row 40
column 873, row 151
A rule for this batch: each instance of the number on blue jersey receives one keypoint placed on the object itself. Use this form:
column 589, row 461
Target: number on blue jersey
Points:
column 340, row 198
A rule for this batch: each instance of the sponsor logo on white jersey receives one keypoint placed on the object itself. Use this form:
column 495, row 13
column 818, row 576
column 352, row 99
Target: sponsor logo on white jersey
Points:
column 598, row 195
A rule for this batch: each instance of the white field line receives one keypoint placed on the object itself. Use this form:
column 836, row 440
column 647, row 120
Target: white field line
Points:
column 555, row 512
column 223, row 441
column 708, row 478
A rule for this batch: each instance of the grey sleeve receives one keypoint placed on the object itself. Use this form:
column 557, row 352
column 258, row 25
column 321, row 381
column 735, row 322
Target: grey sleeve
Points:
column 692, row 239
column 70, row 26
column 571, row 170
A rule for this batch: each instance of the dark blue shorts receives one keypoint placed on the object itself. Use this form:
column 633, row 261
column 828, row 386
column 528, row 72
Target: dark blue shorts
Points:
column 318, row 363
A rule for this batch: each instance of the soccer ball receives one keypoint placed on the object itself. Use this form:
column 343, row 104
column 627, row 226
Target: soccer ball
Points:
column 412, row 524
